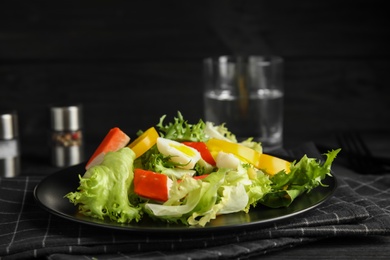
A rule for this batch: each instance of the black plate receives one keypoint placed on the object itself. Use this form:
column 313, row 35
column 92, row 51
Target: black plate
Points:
column 50, row 192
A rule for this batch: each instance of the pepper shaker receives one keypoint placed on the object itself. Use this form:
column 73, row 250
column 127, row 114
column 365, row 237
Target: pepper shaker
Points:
column 66, row 135
column 9, row 144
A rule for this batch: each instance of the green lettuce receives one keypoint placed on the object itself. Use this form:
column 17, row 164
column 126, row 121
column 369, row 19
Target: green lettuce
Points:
column 184, row 197
column 258, row 188
column 191, row 201
column 180, row 130
column 104, row 189
column 205, row 210
column 304, row 176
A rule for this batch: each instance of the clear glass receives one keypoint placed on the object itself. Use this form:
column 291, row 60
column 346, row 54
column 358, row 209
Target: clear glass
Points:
column 246, row 93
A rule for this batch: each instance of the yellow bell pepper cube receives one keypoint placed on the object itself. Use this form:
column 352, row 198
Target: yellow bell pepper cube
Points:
column 144, row 142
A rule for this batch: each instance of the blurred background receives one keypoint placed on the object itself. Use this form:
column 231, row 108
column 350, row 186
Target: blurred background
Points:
column 130, row 62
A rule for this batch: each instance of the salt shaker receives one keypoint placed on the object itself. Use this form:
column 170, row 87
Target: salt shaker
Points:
column 67, row 146
column 9, row 144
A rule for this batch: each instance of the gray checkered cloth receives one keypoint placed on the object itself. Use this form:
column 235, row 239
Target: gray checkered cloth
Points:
column 359, row 207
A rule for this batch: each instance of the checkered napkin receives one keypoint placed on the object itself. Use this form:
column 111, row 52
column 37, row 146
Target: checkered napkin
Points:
column 359, row 207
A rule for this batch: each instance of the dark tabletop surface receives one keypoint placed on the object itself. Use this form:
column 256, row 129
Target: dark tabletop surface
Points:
column 128, row 64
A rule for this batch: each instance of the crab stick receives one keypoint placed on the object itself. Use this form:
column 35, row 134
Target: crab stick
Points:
column 113, row 141
column 151, row 185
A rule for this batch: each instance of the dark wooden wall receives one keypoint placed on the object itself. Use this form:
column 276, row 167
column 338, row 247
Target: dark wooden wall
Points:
column 129, row 62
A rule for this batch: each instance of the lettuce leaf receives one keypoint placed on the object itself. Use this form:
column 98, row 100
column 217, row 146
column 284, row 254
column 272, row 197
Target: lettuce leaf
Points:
column 191, row 201
column 234, row 198
column 104, row 189
column 184, row 197
column 304, row 176
column 205, row 210
column 259, row 187
column 180, row 130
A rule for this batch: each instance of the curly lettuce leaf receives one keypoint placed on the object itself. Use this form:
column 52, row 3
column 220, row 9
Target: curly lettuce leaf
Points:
column 304, row 176
column 259, row 187
column 180, row 130
column 104, row 189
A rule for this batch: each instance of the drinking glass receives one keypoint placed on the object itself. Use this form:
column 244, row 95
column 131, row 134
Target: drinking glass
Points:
column 246, row 94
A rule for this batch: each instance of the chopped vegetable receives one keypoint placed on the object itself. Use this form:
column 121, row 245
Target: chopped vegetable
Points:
column 113, row 141
column 272, row 165
column 200, row 177
column 104, row 189
column 184, row 197
column 144, row 142
column 242, row 152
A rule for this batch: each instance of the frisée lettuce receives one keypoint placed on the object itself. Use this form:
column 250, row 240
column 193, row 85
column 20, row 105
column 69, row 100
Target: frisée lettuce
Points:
column 104, row 189
column 304, row 176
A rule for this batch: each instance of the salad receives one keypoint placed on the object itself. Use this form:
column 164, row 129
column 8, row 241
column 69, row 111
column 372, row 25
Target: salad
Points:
column 189, row 173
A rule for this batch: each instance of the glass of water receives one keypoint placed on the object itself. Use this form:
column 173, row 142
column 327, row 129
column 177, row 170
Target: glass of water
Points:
column 246, row 93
